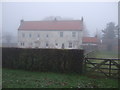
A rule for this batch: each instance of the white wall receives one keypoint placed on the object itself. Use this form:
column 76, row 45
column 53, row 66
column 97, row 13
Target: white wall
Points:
column 52, row 39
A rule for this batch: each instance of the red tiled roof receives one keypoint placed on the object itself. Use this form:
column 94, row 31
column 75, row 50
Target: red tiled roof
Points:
column 51, row 25
column 90, row 40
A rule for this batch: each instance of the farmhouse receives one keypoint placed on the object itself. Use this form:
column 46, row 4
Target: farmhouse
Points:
column 51, row 34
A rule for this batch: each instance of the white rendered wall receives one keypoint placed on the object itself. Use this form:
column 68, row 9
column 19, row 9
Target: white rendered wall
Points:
column 52, row 39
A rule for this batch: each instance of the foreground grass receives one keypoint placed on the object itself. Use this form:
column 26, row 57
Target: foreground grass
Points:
column 26, row 79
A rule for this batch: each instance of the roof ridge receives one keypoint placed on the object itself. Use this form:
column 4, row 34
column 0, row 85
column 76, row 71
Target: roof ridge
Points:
column 51, row 20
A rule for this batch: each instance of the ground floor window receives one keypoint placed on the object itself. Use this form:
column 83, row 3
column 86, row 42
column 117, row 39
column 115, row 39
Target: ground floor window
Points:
column 56, row 44
column 46, row 44
column 63, row 46
column 22, row 43
column 70, row 45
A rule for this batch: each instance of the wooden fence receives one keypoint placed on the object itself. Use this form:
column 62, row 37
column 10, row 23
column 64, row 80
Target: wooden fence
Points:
column 107, row 67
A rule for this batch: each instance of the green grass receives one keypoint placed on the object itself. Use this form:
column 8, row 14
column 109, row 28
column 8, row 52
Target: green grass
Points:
column 104, row 54
column 0, row 77
column 26, row 79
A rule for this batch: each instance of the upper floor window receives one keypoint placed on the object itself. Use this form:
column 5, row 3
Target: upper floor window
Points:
column 23, row 35
column 61, row 34
column 30, row 35
column 47, row 35
column 70, row 45
column 73, row 34
column 38, row 35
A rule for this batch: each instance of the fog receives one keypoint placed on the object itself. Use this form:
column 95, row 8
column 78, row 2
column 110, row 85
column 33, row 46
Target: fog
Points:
column 96, row 14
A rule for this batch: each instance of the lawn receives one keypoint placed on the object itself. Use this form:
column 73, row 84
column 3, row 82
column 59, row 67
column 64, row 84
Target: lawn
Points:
column 104, row 54
column 26, row 79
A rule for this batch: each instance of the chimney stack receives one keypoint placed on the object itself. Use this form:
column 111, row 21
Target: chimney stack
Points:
column 55, row 19
column 82, row 19
column 22, row 20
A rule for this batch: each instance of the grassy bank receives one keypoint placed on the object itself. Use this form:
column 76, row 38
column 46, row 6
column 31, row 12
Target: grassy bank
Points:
column 26, row 79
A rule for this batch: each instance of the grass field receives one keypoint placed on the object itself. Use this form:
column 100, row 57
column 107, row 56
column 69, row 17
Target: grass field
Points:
column 104, row 54
column 25, row 79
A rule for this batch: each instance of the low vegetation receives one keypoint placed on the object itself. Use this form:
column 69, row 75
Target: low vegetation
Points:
column 14, row 78
column 26, row 79
column 51, row 60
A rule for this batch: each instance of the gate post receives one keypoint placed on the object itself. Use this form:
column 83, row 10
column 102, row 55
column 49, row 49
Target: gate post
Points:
column 85, row 67
column 109, row 68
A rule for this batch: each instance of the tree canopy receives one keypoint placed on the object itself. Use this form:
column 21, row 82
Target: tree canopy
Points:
column 109, row 36
column 108, row 32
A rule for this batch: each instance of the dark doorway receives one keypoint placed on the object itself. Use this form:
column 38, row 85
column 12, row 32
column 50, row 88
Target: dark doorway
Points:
column 63, row 46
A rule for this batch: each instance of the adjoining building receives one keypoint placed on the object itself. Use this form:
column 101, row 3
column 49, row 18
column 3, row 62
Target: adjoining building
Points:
column 51, row 34
column 90, row 43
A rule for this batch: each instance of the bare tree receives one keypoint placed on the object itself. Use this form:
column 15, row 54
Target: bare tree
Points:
column 7, row 38
column 51, row 18
column 85, row 31
column 98, row 34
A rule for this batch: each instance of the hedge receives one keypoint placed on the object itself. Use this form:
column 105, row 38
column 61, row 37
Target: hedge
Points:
column 44, row 60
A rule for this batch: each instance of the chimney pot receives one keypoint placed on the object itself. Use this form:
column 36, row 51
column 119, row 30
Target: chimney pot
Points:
column 82, row 19
column 22, row 20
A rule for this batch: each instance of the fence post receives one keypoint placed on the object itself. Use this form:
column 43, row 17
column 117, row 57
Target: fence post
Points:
column 85, row 67
column 109, row 68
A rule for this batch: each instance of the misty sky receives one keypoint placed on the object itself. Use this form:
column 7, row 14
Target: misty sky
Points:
column 95, row 14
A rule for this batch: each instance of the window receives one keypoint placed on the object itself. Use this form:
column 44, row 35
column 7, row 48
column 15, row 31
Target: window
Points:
column 70, row 45
column 73, row 34
column 38, row 35
column 47, row 35
column 30, row 35
column 23, row 35
column 46, row 44
column 56, row 44
column 61, row 34
column 22, row 43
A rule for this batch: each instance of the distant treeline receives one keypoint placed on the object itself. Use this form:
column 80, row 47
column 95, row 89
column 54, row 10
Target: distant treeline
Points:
column 44, row 60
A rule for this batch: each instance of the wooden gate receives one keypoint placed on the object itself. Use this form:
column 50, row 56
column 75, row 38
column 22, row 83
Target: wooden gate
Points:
column 98, row 66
